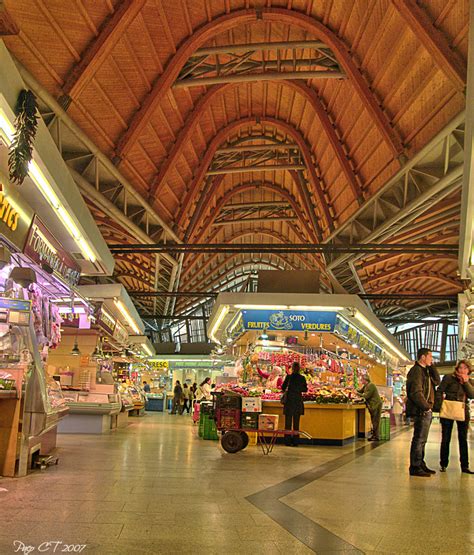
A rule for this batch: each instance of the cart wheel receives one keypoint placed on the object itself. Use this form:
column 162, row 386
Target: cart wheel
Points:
column 245, row 438
column 232, row 442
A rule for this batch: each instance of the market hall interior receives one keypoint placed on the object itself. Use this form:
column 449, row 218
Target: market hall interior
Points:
column 236, row 276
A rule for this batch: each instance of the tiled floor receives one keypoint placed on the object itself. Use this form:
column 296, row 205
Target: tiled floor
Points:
column 157, row 488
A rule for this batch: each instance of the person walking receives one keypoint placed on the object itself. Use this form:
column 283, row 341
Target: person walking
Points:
column 187, row 398
column 422, row 380
column 177, row 398
column 294, row 386
column 455, row 387
column 193, row 390
column 203, row 392
column 370, row 393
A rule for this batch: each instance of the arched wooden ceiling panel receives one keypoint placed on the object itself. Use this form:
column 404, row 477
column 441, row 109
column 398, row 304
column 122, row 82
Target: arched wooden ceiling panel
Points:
column 118, row 61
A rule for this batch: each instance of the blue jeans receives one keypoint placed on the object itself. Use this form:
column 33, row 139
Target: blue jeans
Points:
column 420, row 436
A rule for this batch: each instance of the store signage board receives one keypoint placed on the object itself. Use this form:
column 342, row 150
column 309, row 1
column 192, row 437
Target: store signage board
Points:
column 43, row 248
column 353, row 335
column 120, row 333
column 15, row 312
column 159, row 364
column 106, row 322
column 15, row 215
column 289, row 320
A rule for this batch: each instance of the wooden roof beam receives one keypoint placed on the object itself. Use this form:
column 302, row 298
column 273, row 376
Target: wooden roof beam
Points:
column 233, row 126
column 207, row 195
column 97, row 50
column 255, row 231
column 300, row 87
column 435, row 276
column 435, row 42
column 241, row 18
column 8, row 26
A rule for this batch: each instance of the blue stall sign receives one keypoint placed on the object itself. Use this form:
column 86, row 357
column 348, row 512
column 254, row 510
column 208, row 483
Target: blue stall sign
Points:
column 15, row 304
column 288, row 320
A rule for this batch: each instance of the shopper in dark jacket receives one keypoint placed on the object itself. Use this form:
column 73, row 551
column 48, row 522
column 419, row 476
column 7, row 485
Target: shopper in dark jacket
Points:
column 374, row 403
column 455, row 387
column 294, row 386
column 422, row 380
column 178, row 398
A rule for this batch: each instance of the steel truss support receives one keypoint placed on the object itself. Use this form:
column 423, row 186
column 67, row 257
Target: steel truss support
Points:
column 251, row 62
column 102, row 184
column 256, row 168
column 272, row 248
column 431, row 176
column 261, row 218
column 250, row 156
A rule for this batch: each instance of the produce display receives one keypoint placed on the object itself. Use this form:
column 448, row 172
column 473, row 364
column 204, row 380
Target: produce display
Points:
column 321, row 394
column 330, row 378
column 7, row 382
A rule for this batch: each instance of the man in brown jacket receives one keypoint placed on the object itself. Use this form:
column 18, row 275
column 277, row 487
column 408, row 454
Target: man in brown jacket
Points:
column 422, row 380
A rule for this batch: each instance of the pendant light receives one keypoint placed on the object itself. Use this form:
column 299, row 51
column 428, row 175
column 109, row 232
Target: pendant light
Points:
column 75, row 350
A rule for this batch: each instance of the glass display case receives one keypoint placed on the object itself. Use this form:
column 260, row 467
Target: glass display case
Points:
column 91, row 402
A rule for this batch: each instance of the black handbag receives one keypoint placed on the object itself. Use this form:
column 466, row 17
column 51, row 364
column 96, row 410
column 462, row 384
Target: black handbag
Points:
column 284, row 398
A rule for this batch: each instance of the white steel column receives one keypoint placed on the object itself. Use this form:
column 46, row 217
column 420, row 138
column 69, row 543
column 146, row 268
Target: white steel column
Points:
column 466, row 255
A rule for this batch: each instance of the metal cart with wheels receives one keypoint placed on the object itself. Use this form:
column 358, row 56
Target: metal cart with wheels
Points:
column 235, row 440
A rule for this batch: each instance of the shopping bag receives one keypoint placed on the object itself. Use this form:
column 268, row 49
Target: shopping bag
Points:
column 453, row 410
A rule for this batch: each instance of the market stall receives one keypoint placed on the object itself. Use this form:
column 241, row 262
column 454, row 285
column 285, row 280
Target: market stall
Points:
column 163, row 371
column 48, row 240
column 94, row 363
column 336, row 340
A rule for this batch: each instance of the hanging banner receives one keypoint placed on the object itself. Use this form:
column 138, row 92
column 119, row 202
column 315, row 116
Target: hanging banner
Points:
column 289, row 320
column 44, row 249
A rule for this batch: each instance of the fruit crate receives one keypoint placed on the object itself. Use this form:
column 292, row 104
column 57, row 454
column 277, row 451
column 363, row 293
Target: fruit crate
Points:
column 228, row 401
column 228, row 419
column 249, row 420
column 210, row 430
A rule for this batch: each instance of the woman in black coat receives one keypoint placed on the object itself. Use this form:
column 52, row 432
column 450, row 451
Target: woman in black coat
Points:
column 455, row 387
column 294, row 386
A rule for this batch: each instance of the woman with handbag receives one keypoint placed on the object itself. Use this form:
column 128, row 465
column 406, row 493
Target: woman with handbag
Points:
column 451, row 402
column 293, row 407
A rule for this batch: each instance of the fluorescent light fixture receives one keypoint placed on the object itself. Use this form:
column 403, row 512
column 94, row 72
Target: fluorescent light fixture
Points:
column 147, row 350
column 317, row 308
column 6, row 127
column 363, row 320
column 43, row 185
column 261, row 307
column 123, row 310
column 288, row 307
column 70, row 310
column 222, row 314
column 47, row 191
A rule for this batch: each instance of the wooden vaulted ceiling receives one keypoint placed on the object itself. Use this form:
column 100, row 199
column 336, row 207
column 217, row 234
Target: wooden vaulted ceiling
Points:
column 113, row 64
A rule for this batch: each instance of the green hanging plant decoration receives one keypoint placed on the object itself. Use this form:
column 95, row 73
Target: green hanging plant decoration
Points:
column 21, row 149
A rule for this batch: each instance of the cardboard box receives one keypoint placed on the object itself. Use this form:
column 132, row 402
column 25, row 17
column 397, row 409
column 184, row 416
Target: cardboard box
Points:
column 251, row 404
column 268, row 422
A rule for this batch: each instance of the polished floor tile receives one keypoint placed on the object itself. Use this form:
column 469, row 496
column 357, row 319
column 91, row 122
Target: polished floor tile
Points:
column 155, row 487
